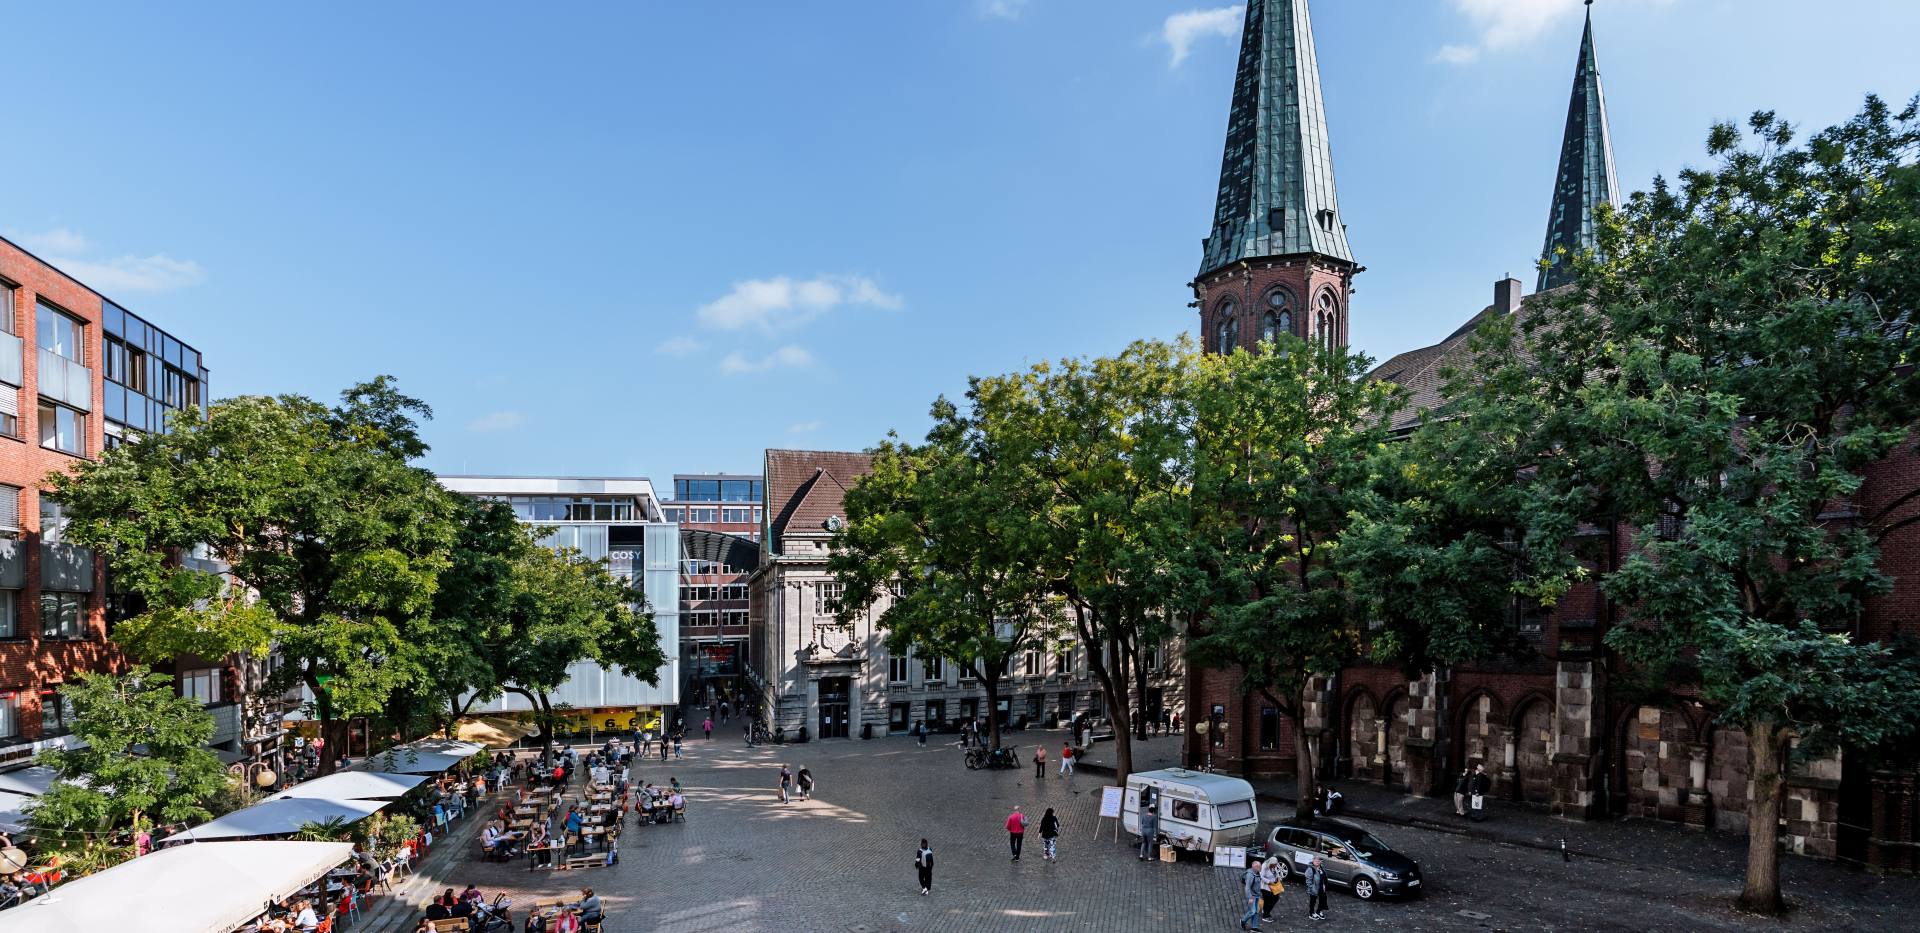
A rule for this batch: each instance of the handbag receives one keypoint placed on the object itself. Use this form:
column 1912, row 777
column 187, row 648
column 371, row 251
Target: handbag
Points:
column 1478, row 800
column 1278, row 886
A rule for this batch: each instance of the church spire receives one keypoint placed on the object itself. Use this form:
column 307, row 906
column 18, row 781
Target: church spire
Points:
column 1276, row 178
column 1586, row 178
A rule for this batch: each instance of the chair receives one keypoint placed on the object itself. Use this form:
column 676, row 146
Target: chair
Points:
column 326, row 926
column 349, row 907
column 680, row 813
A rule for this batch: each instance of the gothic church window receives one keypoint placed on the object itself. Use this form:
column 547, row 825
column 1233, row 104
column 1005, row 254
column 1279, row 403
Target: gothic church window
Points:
column 1226, row 331
column 1278, row 319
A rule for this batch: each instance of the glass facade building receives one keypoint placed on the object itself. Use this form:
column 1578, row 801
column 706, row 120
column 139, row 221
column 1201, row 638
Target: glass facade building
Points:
column 147, row 374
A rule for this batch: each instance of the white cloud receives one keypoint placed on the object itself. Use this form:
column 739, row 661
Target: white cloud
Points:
column 788, row 356
column 680, row 346
column 781, row 302
column 497, row 421
column 1505, row 24
column 1182, row 30
column 59, row 241
column 67, row 250
column 1001, row 9
column 806, row 427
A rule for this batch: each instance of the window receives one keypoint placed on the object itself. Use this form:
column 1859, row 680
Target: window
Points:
column 934, row 670
column 56, row 713
column 1328, row 314
column 1035, row 667
column 1184, row 810
column 59, row 331
column 703, row 515
column 1063, row 663
column 7, row 296
column 897, row 669
column 9, row 615
column 898, row 715
column 62, row 428
column 53, row 519
column 9, row 422
column 9, row 715
column 202, row 685
column 736, row 515
column 936, row 712
column 1269, row 729
column 673, row 515
column 1278, row 318
column 1226, row 331
column 9, row 507
column 1233, row 811
column 826, row 598
column 734, row 616
column 61, row 615
column 734, row 591
column 125, row 365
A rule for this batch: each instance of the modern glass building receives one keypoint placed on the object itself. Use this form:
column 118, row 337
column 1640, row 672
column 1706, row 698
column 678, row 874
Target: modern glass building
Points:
column 620, row 521
column 147, row 373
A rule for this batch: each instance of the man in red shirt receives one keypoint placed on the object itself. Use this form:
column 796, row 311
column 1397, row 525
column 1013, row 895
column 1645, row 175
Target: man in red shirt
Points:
column 1016, row 830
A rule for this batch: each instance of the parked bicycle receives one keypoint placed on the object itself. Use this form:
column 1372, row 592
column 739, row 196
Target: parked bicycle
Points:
column 992, row 759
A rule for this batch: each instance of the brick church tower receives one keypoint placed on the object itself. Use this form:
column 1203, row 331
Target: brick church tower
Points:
column 1276, row 259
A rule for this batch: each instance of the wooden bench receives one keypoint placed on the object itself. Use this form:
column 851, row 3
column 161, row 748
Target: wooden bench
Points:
column 573, row 862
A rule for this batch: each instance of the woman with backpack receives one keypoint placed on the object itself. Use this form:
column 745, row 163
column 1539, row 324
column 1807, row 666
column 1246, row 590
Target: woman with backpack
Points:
column 1050, row 834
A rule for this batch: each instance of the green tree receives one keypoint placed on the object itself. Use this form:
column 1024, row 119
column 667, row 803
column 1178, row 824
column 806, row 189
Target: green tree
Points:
column 932, row 523
column 1282, row 447
column 516, row 615
column 142, row 758
column 1096, row 453
column 1732, row 360
column 334, row 540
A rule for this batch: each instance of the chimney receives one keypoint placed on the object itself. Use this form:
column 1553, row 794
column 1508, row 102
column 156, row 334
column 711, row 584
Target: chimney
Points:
column 1506, row 295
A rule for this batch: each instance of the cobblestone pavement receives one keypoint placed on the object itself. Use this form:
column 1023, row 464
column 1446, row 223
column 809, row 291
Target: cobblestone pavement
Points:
column 841, row 863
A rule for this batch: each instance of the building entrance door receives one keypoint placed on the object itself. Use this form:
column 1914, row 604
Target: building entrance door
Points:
column 835, row 699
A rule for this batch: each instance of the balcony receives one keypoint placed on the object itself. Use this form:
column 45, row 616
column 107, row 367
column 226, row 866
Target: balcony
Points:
column 66, row 568
column 65, row 381
column 12, row 359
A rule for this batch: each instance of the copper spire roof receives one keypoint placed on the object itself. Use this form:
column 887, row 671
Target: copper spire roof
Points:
column 1586, row 178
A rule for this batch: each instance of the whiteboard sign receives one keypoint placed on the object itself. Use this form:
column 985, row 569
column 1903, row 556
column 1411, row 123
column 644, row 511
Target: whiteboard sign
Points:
column 1110, row 803
column 1229, row 856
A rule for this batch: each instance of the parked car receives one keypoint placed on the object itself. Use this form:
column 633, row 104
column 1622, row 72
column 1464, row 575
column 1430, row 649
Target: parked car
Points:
column 1352, row 857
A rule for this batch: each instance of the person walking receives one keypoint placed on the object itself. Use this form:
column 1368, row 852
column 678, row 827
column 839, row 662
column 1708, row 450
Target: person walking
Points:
column 923, row 863
column 676, row 746
column 1016, row 830
column 707, row 727
column 786, row 783
column 1250, row 889
column 1039, row 762
column 920, row 729
column 1049, row 834
column 1066, row 759
column 1149, row 823
column 1477, row 786
column 805, row 783
column 1460, row 792
column 1316, row 890
column 1270, row 886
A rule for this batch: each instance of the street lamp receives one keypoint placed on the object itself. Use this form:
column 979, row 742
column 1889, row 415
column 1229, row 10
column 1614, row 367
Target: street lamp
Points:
column 257, row 773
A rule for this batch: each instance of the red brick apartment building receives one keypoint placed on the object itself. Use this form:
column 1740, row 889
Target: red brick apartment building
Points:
column 78, row 374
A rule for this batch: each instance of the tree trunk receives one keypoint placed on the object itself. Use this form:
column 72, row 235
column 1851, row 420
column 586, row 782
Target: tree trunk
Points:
column 1115, row 686
column 1303, row 764
column 1097, row 665
column 1762, row 892
column 1140, row 689
column 545, row 734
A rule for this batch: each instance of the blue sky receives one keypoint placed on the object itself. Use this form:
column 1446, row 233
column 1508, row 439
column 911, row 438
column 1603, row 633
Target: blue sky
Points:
column 647, row 238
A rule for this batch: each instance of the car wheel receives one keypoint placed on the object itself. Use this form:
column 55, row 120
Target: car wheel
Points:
column 1363, row 888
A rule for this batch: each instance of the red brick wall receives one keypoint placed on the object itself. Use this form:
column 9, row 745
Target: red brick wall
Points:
column 28, row 662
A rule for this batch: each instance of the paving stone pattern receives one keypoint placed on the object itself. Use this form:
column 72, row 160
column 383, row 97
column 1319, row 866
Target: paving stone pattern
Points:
column 843, row 862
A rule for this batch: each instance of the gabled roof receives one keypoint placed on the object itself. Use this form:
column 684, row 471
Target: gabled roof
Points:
column 1419, row 371
column 807, row 487
column 1277, row 195
column 1586, row 178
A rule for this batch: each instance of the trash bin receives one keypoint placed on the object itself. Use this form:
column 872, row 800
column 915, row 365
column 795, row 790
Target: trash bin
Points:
column 866, row 730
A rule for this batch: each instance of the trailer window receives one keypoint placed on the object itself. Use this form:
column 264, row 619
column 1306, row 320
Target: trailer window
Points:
column 1186, row 810
column 1233, row 811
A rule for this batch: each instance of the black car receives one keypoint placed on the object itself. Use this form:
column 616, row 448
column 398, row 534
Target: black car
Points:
column 1351, row 857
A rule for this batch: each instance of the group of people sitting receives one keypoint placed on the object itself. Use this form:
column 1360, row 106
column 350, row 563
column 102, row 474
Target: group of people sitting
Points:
column 654, row 805
column 469, row 904
column 297, row 917
column 569, row 918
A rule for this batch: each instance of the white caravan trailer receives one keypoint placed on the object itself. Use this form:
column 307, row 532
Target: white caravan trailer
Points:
column 1198, row 811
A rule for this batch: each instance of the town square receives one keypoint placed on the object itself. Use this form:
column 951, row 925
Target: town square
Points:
column 821, row 466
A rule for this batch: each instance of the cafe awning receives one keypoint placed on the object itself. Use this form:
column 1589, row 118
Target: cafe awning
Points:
column 281, row 816
column 494, row 731
column 182, row 889
column 427, row 756
column 32, row 781
column 354, row 785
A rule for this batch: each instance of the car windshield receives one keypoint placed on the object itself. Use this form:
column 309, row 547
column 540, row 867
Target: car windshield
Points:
column 1365, row 845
